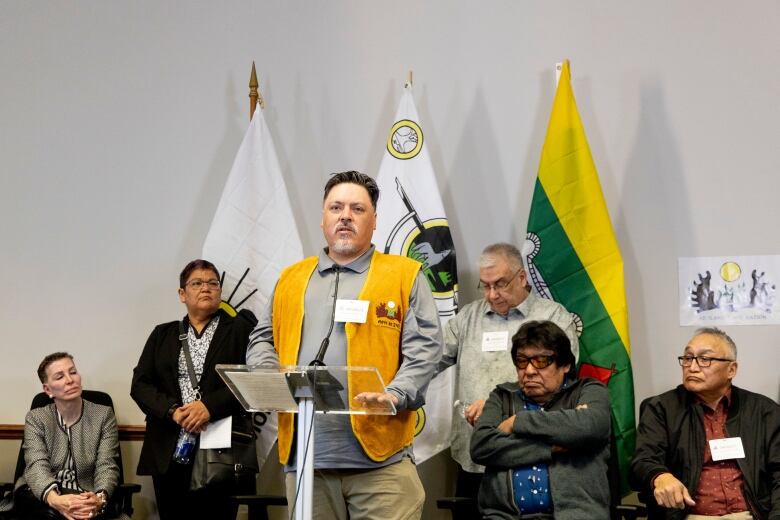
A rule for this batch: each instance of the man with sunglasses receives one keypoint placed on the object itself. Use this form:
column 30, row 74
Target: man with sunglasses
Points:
column 544, row 437
column 477, row 340
column 708, row 449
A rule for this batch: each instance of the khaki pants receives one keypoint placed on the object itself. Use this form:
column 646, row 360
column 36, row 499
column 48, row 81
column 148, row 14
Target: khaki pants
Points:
column 744, row 515
column 390, row 493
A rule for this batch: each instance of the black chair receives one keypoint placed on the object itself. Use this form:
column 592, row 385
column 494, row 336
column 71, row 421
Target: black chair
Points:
column 122, row 499
column 617, row 510
column 654, row 511
column 461, row 508
column 258, row 504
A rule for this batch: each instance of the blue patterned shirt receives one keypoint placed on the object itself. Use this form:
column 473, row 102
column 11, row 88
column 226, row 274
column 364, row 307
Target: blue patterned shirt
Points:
column 531, row 484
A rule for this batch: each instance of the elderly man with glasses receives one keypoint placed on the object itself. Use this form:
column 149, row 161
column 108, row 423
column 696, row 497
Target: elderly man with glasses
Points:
column 708, row 449
column 478, row 340
column 544, row 436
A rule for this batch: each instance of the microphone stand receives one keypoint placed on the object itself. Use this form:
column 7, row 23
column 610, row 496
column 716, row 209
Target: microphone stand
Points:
column 318, row 360
column 322, row 392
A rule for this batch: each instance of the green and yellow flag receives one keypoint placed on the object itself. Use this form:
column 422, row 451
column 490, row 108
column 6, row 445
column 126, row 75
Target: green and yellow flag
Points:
column 573, row 258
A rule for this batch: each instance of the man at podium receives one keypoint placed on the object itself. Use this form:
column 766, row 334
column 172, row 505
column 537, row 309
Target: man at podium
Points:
column 363, row 465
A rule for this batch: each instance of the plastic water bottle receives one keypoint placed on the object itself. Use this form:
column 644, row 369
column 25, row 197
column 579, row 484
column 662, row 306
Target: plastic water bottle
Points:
column 184, row 447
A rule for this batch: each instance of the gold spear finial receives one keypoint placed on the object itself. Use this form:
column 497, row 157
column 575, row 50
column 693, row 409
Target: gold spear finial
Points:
column 255, row 97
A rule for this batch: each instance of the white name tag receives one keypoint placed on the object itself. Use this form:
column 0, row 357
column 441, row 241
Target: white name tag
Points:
column 351, row 311
column 495, row 341
column 724, row 449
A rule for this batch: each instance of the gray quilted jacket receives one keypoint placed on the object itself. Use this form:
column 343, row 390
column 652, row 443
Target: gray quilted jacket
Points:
column 94, row 444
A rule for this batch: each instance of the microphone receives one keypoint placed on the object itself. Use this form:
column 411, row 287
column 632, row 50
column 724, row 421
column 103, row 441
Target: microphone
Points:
column 318, row 359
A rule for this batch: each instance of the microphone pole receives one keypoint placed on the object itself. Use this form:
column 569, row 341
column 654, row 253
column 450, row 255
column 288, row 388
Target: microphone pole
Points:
column 318, row 359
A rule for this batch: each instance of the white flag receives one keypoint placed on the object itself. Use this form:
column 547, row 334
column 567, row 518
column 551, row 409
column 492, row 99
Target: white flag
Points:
column 411, row 222
column 253, row 237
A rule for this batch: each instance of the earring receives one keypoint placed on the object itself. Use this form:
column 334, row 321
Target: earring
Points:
column 50, row 396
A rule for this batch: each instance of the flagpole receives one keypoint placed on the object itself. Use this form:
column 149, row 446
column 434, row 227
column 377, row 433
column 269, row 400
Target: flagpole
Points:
column 558, row 69
column 255, row 97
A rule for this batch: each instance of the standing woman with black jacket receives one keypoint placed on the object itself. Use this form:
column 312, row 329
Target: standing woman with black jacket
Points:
column 163, row 389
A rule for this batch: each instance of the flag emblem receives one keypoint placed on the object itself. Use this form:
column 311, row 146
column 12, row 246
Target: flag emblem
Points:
column 430, row 243
column 226, row 305
column 419, row 423
column 531, row 247
column 406, row 139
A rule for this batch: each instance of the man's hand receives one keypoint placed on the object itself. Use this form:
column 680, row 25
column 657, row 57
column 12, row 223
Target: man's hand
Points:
column 473, row 412
column 193, row 416
column 670, row 492
column 377, row 397
column 507, row 425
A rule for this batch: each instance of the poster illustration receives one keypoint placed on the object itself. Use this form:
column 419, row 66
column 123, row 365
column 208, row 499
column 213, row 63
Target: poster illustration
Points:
column 729, row 290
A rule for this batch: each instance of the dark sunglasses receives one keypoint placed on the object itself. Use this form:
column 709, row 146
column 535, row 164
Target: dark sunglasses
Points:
column 539, row 361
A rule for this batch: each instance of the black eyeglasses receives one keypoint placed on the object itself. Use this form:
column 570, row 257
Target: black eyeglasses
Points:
column 702, row 361
column 500, row 285
column 539, row 361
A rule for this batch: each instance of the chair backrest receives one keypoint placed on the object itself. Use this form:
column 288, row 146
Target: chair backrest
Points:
column 95, row 396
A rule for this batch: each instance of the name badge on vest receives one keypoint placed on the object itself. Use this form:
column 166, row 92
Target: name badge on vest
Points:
column 724, row 449
column 351, row 311
column 495, row 341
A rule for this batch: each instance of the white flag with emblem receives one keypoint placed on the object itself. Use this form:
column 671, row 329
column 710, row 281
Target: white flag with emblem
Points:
column 411, row 222
column 253, row 237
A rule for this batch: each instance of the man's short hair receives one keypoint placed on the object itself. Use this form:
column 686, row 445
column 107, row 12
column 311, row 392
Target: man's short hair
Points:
column 510, row 252
column 192, row 266
column 547, row 335
column 353, row 177
column 48, row 360
column 718, row 333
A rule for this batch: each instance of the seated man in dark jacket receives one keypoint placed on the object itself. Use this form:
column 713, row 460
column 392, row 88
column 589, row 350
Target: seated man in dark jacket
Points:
column 544, row 440
column 708, row 449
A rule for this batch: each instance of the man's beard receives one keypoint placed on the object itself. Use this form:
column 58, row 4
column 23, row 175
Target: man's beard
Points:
column 344, row 246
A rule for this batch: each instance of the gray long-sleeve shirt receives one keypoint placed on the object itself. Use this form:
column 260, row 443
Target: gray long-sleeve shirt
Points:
column 479, row 370
column 421, row 340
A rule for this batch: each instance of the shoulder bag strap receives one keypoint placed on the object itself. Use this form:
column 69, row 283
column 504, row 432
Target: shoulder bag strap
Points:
column 188, row 358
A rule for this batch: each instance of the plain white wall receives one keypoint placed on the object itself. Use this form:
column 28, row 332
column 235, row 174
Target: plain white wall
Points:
column 119, row 122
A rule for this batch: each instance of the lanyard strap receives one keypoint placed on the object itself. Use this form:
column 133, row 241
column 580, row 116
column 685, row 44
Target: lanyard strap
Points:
column 185, row 346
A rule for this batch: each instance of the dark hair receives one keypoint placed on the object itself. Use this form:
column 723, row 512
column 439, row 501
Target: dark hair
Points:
column 195, row 264
column 353, row 177
column 48, row 360
column 548, row 335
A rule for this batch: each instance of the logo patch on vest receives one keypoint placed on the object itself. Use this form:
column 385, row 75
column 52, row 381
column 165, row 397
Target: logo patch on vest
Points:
column 388, row 315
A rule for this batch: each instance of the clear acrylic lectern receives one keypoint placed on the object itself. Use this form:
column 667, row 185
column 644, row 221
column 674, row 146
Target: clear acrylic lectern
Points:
column 305, row 390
